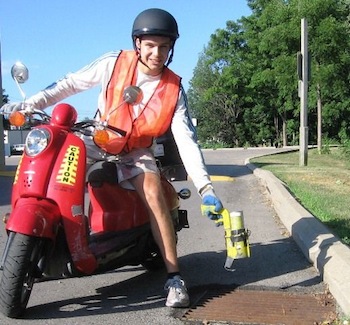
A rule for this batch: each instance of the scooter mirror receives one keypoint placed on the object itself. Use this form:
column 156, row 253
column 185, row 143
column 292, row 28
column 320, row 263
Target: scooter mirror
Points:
column 19, row 72
column 133, row 95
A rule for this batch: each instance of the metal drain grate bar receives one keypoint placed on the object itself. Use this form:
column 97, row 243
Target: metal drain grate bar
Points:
column 263, row 307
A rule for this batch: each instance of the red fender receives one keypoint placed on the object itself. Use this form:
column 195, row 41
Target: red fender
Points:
column 34, row 217
column 41, row 218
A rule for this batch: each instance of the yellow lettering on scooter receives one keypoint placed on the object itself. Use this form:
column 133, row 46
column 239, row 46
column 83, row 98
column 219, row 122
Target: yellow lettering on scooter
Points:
column 17, row 171
column 68, row 171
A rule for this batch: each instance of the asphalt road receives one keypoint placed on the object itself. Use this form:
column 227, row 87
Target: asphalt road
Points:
column 133, row 296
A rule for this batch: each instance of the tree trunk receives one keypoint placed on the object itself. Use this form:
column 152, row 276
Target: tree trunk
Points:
column 319, row 119
column 284, row 129
column 277, row 140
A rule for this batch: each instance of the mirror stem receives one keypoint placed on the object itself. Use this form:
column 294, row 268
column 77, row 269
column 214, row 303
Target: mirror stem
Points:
column 21, row 91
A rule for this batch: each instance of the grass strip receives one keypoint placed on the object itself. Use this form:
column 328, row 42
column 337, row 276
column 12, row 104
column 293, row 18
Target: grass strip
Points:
column 322, row 187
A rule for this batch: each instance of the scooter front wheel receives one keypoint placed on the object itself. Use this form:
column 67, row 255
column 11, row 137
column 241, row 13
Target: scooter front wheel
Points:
column 20, row 269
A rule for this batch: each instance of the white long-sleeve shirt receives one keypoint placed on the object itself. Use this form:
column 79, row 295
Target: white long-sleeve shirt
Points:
column 99, row 73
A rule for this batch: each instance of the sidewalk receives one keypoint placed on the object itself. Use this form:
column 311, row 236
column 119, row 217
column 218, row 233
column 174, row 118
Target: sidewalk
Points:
column 329, row 256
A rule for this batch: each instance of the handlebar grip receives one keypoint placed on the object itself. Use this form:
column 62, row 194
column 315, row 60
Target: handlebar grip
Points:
column 121, row 132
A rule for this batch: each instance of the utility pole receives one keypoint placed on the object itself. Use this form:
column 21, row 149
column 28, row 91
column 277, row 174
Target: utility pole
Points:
column 303, row 89
column 2, row 146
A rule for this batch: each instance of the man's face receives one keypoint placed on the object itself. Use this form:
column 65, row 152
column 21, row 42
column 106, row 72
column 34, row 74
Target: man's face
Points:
column 154, row 51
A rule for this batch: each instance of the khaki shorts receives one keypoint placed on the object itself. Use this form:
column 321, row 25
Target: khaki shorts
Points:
column 134, row 163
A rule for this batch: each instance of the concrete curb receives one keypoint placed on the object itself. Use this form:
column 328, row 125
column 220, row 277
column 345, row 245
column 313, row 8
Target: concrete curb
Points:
column 329, row 256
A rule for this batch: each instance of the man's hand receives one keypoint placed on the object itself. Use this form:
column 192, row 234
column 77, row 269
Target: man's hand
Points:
column 11, row 108
column 212, row 206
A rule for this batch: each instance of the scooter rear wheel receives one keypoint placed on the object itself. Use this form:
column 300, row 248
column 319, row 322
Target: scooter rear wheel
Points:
column 154, row 263
column 20, row 269
column 153, row 260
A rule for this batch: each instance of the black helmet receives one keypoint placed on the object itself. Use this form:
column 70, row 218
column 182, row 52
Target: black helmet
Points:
column 155, row 22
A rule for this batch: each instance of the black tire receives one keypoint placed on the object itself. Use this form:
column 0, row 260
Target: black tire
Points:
column 20, row 270
column 153, row 260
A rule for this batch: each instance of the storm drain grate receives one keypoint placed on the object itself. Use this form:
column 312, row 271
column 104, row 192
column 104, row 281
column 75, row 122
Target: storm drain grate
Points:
column 246, row 306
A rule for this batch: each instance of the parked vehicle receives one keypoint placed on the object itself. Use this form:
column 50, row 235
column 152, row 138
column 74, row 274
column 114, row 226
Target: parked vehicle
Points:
column 17, row 149
column 50, row 232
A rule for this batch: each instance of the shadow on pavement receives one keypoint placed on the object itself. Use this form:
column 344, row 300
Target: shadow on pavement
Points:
column 203, row 269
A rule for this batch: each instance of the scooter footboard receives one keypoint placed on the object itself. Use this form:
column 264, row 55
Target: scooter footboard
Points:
column 34, row 217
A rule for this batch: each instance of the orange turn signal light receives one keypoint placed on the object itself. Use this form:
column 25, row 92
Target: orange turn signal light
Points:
column 101, row 137
column 17, row 119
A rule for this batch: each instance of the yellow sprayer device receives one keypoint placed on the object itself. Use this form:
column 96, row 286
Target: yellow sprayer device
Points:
column 236, row 236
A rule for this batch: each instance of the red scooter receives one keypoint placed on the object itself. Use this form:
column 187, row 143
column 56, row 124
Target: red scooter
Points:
column 53, row 229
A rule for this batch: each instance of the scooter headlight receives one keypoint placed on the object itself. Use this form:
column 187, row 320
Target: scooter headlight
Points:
column 37, row 140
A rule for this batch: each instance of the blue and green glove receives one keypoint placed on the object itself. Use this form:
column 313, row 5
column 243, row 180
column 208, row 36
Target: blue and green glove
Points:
column 211, row 205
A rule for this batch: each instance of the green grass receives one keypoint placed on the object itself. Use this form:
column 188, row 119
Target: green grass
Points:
column 322, row 187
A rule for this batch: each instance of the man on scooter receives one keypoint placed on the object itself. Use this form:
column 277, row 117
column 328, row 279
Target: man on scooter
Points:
column 164, row 105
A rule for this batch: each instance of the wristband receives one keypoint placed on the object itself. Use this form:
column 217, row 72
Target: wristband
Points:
column 205, row 188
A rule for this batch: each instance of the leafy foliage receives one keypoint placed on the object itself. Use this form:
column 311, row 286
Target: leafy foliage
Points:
column 245, row 87
column 5, row 99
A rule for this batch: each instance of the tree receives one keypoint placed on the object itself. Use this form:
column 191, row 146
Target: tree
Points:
column 329, row 48
column 246, row 77
column 271, row 41
column 216, row 86
column 201, row 107
column 5, row 99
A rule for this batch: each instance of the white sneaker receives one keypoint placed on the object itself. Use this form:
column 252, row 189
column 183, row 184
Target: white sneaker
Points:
column 177, row 292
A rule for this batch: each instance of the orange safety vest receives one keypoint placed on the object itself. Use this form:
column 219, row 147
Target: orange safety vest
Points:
column 156, row 116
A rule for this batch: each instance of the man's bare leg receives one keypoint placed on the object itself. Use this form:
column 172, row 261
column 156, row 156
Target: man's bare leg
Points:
column 148, row 185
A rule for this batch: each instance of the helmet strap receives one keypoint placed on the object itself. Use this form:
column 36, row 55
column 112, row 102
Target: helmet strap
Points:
column 170, row 59
column 138, row 52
